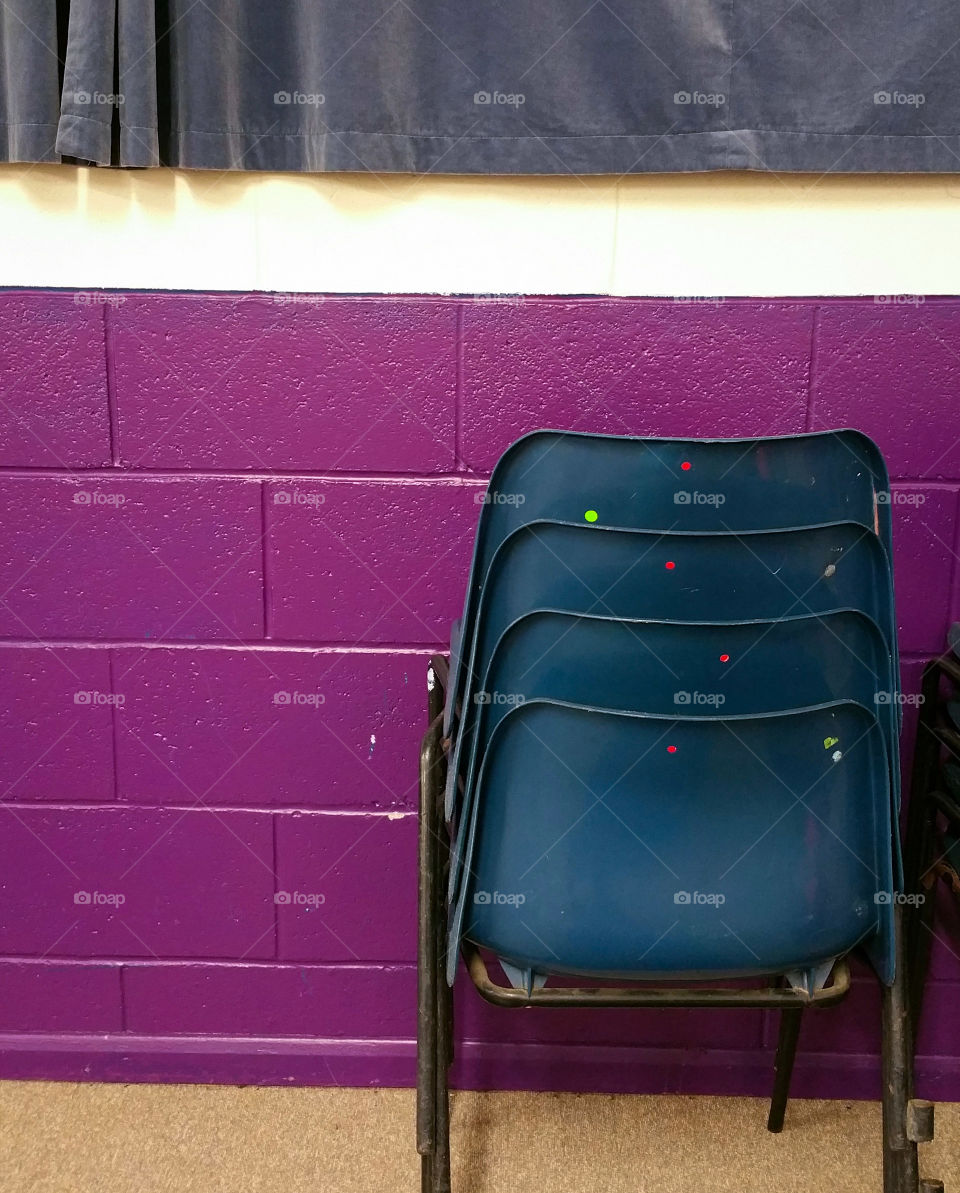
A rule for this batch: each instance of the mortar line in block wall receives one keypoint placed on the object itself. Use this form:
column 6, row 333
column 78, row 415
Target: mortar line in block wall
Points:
column 812, row 368
column 952, row 590
column 128, row 962
column 223, row 644
column 122, row 979
column 459, row 349
column 114, row 727
column 274, row 821
column 200, row 474
column 390, row 812
column 264, row 562
column 109, row 370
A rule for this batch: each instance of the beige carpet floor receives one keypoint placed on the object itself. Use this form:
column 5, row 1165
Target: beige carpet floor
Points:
column 66, row 1138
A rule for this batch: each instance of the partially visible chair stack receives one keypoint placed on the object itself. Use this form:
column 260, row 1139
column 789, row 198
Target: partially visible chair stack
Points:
column 671, row 719
column 932, row 860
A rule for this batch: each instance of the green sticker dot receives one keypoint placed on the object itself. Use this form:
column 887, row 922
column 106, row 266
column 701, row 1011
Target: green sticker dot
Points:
column 591, row 515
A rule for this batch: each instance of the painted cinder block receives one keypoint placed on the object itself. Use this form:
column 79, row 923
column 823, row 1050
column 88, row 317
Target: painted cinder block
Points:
column 720, row 369
column 55, row 996
column 130, row 558
column 357, row 561
column 270, row 727
column 924, row 530
column 347, row 887
column 56, row 724
column 285, row 382
column 53, row 381
column 357, row 1002
column 891, row 368
column 136, row 882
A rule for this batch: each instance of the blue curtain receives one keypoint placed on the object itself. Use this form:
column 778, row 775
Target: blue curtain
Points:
column 507, row 86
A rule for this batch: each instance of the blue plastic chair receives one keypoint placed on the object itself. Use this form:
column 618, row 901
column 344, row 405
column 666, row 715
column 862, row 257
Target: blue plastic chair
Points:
column 601, row 831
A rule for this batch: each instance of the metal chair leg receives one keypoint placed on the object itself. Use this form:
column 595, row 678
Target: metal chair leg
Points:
column 783, row 1066
column 919, row 837
column 900, row 1163
column 427, row 964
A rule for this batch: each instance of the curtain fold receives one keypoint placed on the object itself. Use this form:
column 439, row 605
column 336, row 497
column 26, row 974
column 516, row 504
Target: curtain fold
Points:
column 509, row 86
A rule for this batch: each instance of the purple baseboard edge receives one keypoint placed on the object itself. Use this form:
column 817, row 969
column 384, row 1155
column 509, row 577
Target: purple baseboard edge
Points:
column 484, row 1066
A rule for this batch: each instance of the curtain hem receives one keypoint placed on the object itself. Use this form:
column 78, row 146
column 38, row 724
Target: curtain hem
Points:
column 746, row 149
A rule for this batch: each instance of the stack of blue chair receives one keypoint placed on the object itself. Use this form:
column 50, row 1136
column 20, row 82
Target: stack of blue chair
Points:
column 664, row 749
column 672, row 712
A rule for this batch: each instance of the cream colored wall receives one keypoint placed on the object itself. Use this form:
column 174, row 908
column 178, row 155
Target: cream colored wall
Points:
column 711, row 234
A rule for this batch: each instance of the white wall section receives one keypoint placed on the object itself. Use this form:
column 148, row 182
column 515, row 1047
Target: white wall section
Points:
column 703, row 234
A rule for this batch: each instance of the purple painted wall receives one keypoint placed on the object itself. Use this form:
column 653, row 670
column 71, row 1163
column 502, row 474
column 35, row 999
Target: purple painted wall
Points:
column 232, row 528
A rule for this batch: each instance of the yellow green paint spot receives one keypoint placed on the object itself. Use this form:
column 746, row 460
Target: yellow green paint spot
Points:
column 830, row 741
column 591, row 515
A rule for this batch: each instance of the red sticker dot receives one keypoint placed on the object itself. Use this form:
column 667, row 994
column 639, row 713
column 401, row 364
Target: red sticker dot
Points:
column 670, row 565
column 671, row 749
column 686, row 465
column 724, row 658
